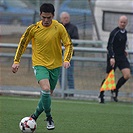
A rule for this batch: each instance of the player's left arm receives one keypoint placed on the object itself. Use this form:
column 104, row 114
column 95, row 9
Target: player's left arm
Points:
column 67, row 43
column 110, row 46
column 66, row 64
column 126, row 47
column 110, row 49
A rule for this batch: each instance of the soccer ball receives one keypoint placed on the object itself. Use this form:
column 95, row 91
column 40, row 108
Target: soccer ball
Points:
column 27, row 125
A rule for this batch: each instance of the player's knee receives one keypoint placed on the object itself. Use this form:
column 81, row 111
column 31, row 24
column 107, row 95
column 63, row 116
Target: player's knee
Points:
column 44, row 93
column 46, row 88
column 127, row 76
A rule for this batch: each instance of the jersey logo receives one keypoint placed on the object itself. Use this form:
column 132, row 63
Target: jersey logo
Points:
column 55, row 27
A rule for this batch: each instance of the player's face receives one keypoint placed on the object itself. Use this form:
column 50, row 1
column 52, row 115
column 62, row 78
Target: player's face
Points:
column 122, row 23
column 46, row 18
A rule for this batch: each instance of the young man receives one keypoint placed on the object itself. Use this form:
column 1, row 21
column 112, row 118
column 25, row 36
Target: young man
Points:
column 46, row 36
column 116, row 56
column 73, row 32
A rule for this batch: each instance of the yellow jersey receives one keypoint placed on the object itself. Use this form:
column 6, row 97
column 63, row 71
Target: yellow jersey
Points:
column 46, row 45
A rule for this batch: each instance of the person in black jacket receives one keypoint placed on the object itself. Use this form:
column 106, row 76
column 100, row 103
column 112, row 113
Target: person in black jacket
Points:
column 73, row 32
column 117, row 56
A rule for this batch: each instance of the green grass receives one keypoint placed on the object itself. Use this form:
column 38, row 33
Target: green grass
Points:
column 70, row 116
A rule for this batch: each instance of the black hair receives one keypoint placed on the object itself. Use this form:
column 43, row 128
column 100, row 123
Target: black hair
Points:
column 47, row 8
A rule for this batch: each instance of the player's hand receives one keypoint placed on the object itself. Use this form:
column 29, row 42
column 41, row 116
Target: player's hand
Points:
column 112, row 62
column 15, row 67
column 66, row 64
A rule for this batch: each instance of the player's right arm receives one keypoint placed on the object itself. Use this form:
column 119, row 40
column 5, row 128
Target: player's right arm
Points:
column 110, row 48
column 24, row 41
column 15, row 67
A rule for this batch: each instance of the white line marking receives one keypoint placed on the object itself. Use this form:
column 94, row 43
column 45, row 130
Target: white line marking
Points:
column 68, row 101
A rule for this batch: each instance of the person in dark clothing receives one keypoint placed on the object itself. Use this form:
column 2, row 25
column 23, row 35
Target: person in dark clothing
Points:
column 117, row 56
column 73, row 33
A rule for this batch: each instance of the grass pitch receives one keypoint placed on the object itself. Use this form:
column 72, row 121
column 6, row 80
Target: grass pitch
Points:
column 70, row 116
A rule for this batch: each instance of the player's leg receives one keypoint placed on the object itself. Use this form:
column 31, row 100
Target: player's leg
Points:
column 101, row 95
column 53, row 78
column 108, row 69
column 124, row 66
column 45, row 101
column 42, row 76
column 38, row 110
column 122, row 80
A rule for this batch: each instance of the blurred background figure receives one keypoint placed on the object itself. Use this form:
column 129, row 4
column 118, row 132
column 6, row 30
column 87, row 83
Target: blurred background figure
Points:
column 73, row 32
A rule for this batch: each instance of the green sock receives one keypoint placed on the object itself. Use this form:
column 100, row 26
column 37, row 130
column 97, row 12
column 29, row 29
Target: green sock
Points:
column 47, row 104
column 39, row 108
column 44, row 104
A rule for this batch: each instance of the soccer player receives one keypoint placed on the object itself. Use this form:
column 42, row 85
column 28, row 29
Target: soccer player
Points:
column 47, row 37
column 117, row 56
column 73, row 32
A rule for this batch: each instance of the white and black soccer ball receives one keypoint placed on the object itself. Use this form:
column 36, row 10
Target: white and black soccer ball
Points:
column 27, row 125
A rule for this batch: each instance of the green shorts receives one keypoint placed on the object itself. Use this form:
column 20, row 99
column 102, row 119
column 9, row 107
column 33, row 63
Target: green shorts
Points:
column 42, row 72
